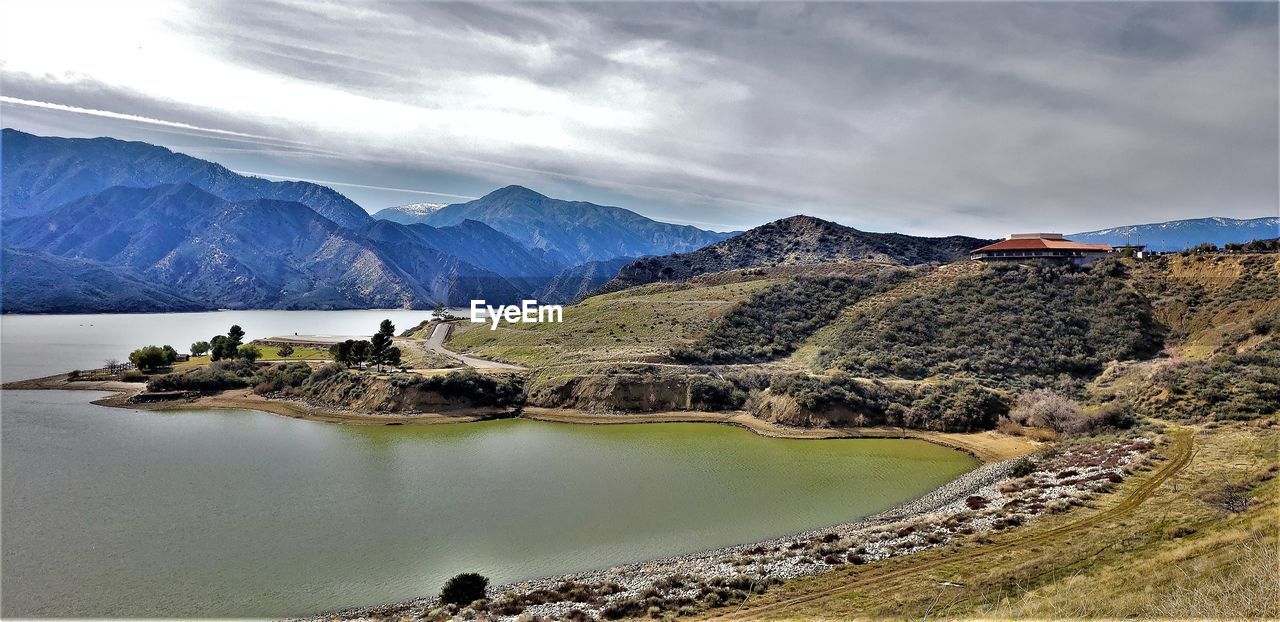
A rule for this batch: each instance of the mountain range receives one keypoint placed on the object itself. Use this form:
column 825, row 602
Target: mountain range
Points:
column 100, row 223
column 798, row 240
column 1176, row 235
column 95, row 225
column 571, row 232
column 42, row 172
column 259, row 253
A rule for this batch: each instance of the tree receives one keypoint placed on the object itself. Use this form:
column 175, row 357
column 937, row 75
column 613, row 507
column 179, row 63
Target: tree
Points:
column 226, row 346
column 236, row 334
column 249, row 353
column 151, row 358
column 440, row 312
column 464, row 589
column 218, row 348
column 285, row 351
column 380, row 344
column 200, row 348
column 350, row 352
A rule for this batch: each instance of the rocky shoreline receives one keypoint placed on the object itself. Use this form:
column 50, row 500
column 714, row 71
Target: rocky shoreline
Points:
column 993, row 496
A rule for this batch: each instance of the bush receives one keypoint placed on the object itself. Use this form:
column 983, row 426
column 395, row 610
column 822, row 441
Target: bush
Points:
column 1022, row 468
column 133, row 375
column 217, row 376
column 464, row 589
column 1045, row 408
column 281, row 378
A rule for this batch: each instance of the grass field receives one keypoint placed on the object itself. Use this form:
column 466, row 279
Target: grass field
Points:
column 269, row 353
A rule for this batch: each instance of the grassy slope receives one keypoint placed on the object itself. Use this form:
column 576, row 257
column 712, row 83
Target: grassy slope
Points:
column 1171, row 554
column 638, row 324
column 269, row 353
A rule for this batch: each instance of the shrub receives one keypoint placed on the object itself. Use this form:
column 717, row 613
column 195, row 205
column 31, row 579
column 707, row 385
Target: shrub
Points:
column 133, row 375
column 278, row 378
column 217, row 376
column 1022, row 468
column 464, row 589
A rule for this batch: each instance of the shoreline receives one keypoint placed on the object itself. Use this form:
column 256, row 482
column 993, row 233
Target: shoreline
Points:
column 986, row 447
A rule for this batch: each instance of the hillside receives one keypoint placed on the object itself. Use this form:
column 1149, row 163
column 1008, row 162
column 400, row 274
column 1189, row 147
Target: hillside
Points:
column 1176, row 235
column 477, row 244
column 40, row 283
column 572, row 232
column 798, row 240
column 576, row 282
column 41, row 173
column 248, row 254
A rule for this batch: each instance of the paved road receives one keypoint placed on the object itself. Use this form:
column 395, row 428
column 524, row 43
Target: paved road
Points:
column 435, row 343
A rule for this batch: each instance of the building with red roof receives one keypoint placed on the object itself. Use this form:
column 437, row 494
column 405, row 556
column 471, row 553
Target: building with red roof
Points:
column 1050, row 247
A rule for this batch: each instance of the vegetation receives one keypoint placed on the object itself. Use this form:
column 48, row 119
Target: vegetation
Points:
column 284, row 351
column 1242, row 385
column 151, row 358
column 248, row 352
column 217, row 376
column 464, row 589
column 282, row 378
column 950, row 406
column 776, row 319
column 200, row 348
column 374, row 351
column 226, row 346
column 492, row 390
column 1009, row 325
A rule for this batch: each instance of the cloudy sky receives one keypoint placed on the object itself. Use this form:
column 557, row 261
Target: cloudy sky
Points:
column 921, row 118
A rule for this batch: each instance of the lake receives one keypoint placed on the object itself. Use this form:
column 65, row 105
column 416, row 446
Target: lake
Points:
column 120, row 513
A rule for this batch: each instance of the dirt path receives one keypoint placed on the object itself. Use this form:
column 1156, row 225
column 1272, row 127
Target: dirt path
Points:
column 435, row 343
column 886, row 576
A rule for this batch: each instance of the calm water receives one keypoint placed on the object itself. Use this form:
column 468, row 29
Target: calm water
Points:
column 112, row 512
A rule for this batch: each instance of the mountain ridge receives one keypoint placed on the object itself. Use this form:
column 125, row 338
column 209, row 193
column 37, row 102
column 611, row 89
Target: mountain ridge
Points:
column 1176, row 235
column 44, row 172
column 260, row 253
column 573, row 232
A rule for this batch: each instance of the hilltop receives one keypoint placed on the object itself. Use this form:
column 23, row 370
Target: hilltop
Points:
column 798, row 240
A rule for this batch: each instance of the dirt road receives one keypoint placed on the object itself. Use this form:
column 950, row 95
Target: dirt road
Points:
column 435, row 343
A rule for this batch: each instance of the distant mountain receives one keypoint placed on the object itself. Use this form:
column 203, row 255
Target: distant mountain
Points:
column 1176, row 235
column 798, row 240
column 41, row 173
column 247, row 254
column 408, row 214
column 574, row 283
column 39, row 283
column 572, row 232
column 477, row 244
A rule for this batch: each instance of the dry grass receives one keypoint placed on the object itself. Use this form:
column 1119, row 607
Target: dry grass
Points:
column 638, row 324
column 1172, row 556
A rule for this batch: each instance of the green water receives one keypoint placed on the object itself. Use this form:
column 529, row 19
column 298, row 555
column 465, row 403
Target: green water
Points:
column 110, row 512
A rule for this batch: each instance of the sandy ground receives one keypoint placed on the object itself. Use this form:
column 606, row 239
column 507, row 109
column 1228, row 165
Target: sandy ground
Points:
column 985, row 446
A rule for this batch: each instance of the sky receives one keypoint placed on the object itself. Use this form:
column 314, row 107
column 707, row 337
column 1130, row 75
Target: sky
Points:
column 929, row 119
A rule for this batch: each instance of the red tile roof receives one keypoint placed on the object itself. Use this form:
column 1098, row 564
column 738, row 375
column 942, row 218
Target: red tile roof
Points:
column 1036, row 244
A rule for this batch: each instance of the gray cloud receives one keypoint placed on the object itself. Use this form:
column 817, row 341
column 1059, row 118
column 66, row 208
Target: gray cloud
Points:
column 926, row 118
